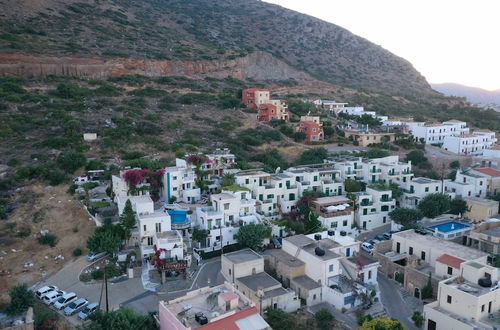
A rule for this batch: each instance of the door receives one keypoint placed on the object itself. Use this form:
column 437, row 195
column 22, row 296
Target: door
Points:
column 347, row 252
column 431, row 325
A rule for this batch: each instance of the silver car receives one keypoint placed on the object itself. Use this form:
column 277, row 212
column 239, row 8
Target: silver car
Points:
column 75, row 306
column 89, row 309
column 52, row 296
column 40, row 293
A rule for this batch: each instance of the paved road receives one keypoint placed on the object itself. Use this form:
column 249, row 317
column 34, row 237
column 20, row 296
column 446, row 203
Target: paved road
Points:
column 397, row 307
column 440, row 153
column 366, row 235
column 334, row 148
column 209, row 274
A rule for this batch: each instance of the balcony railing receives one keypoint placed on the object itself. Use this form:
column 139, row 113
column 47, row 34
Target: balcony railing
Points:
column 393, row 173
column 378, row 170
column 407, row 172
column 366, row 203
column 386, row 200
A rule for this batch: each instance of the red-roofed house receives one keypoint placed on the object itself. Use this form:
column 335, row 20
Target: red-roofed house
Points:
column 253, row 97
column 311, row 127
column 267, row 112
column 447, row 265
column 492, row 179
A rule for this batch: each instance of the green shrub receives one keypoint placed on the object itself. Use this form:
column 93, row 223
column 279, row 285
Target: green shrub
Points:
column 20, row 299
column 48, row 239
column 85, row 277
column 77, row 252
column 71, row 161
column 148, row 92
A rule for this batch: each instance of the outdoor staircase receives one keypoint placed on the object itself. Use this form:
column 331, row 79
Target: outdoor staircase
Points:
column 146, row 283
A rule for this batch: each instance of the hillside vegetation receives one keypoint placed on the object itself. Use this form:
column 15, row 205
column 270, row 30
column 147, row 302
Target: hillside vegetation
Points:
column 204, row 29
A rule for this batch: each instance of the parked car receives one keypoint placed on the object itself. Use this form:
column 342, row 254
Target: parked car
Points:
column 52, row 296
column 367, row 247
column 380, row 237
column 387, row 235
column 89, row 309
column 373, row 241
column 92, row 256
column 40, row 293
column 65, row 300
column 75, row 306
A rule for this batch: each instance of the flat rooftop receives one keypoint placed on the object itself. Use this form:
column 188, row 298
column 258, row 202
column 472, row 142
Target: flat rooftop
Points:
column 441, row 245
column 284, row 257
column 422, row 180
column 495, row 231
column 299, row 240
column 259, row 281
column 306, row 282
column 481, row 201
column 331, row 200
column 252, row 172
column 310, row 248
column 362, row 260
column 242, row 256
column 201, row 300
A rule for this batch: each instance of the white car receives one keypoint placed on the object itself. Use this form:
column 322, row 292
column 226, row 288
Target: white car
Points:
column 40, row 293
column 367, row 247
column 89, row 309
column 52, row 296
column 92, row 256
column 75, row 306
column 65, row 300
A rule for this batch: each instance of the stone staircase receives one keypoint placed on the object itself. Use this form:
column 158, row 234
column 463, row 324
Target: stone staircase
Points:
column 146, row 282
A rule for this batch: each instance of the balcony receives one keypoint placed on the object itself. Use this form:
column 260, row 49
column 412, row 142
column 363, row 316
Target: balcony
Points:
column 407, row 172
column 377, row 170
column 393, row 173
column 386, row 200
column 366, row 203
column 291, row 186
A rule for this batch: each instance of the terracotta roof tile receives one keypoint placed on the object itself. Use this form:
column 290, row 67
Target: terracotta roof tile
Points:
column 450, row 260
column 229, row 323
column 488, row 171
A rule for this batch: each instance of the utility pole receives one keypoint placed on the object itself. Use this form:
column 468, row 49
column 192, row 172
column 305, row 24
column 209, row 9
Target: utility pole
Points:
column 106, row 288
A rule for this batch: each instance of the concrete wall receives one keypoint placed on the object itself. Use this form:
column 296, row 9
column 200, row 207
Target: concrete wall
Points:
column 443, row 321
column 232, row 271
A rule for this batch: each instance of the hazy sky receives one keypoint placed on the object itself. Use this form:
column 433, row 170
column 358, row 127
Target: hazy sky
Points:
column 445, row 40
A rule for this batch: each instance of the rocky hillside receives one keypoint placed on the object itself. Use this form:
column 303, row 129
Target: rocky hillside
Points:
column 222, row 30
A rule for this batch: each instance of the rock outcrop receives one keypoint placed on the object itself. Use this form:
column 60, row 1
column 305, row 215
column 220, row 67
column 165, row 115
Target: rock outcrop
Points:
column 258, row 65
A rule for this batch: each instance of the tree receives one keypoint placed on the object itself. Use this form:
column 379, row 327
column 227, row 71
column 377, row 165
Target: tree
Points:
column 280, row 320
column 313, row 156
column 377, row 153
column 353, row 185
column 71, row 161
column 434, row 205
column 405, row 217
column 416, row 157
column 252, row 235
column 299, row 136
column 455, row 164
column 426, row 292
column 458, row 206
column 199, row 235
column 382, row 323
column 20, row 299
column 418, row 319
column 107, row 238
column 227, row 180
column 452, row 175
column 121, row 319
column 127, row 219
column 324, row 319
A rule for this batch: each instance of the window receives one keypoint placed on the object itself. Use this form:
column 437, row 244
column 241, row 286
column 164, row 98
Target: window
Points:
column 410, row 250
column 398, row 247
column 344, row 223
column 330, row 268
column 369, row 274
column 384, row 219
column 226, row 206
column 448, row 299
column 437, row 188
column 314, row 297
column 158, row 227
column 334, row 224
column 426, row 189
column 144, row 227
column 450, row 271
column 230, row 272
column 482, row 308
column 422, row 255
column 150, row 240
column 247, row 181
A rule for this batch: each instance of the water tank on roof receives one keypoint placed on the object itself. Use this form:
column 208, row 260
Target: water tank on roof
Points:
column 331, row 208
column 319, row 251
column 331, row 233
column 485, row 282
column 340, row 207
column 317, row 237
column 343, row 233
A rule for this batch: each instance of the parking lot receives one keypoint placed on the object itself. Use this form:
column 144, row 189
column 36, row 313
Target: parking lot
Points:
column 119, row 290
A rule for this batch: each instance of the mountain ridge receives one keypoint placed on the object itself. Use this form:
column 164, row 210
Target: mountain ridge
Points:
column 473, row 94
column 205, row 30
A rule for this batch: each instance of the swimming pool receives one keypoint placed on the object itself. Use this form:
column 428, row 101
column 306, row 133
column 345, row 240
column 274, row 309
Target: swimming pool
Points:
column 449, row 226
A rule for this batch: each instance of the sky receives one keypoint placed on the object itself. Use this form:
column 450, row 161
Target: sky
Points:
column 445, row 40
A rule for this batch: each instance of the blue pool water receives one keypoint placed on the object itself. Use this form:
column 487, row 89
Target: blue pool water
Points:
column 449, row 226
column 178, row 216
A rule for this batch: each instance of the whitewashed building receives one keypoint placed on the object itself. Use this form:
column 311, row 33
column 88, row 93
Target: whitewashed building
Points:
column 374, row 206
column 416, row 189
column 470, row 144
column 179, row 183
